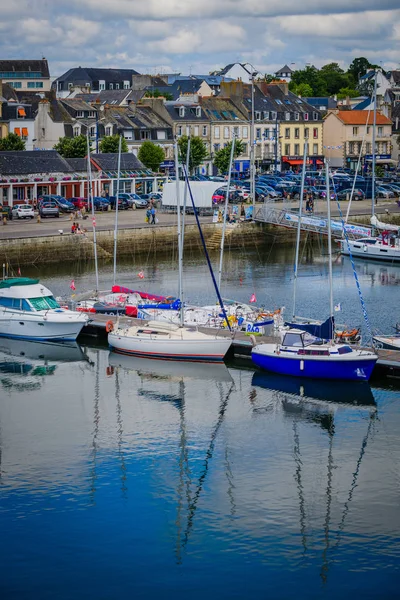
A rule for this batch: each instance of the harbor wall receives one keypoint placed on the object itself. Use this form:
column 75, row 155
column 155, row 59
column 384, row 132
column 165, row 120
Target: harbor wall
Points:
column 133, row 243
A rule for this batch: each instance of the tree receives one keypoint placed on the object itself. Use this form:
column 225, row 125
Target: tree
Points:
column 358, row 68
column 110, row 144
column 222, row 157
column 303, row 89
column 12, row 141
column 151, row 155
column 75, row 147
column 198, row 151
column 335, row 78
column 312, row 77
column 157, row 94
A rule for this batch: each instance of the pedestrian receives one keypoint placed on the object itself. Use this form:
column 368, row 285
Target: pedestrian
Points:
column 73, row 227
column 148, row 215
column 153, row 215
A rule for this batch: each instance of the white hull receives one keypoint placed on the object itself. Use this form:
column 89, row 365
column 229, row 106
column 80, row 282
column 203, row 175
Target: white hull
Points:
column 387, row 342
column 377, row 251
column 62, row 325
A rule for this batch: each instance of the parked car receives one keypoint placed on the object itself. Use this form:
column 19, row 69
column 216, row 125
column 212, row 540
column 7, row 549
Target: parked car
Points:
column 6, row 212
column 100, row 203
column 23, row 211
column 389, row 188
column 145, row 197
column 357, row 195
column 381, row 192
column 123, row 203
column 134, row 199
column 64, row 205
column 218, row 197
column 395, row 188
column 49, row 209
column 158, row 196
column 79, row 203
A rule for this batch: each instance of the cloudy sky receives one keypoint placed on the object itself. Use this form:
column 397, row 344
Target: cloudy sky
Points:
column 198, row 36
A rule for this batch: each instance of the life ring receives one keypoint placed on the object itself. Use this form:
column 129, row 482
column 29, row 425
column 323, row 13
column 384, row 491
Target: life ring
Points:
column 109, row 326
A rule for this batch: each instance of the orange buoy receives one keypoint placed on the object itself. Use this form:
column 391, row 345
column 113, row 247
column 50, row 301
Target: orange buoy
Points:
column 109, row 326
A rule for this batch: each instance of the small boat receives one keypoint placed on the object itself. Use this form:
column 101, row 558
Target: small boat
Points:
column 387, row 342
column 29, row 310
column 386, row 247
column 162, row 340
column 302, row 355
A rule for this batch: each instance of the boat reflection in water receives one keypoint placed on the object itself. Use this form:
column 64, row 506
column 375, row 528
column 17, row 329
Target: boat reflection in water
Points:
column 162, row 369
column 23, row 363
column 356, row 393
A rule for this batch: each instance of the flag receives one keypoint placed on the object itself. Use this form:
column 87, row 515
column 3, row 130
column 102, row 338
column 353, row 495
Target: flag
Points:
column 253, row 298
column 338, row 307
column 72, row 285
column 19, row 271
column 140, row 275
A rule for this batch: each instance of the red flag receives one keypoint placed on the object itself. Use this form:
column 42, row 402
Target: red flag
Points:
column 19, row 271
column 141, row 275
column 72, row 285
column 253, row 298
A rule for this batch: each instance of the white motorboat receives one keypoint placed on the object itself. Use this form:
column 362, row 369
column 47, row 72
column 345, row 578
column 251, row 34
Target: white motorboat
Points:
column 387, row 342
column 383, row 247
column 157, row 339
column 28, row 310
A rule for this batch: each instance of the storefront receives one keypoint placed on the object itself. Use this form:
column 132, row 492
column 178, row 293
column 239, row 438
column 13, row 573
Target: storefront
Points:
column 295, row 163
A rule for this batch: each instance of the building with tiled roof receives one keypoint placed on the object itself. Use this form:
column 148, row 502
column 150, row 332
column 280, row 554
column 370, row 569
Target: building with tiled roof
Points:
column 345, row 131
column 284, row 73
column 26, row 74
column 93, row 79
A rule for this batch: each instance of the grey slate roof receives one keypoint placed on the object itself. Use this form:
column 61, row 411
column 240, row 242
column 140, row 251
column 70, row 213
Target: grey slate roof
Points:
column 285, row 69
column 78, row 165
column 30, row 162
column 396, row 76
column 190, row 111
column 326, row 101
column 109, row 162
column 82, row 75
column 26, row 65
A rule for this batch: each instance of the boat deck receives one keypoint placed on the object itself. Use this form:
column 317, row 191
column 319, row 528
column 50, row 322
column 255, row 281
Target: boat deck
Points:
column 388, row 364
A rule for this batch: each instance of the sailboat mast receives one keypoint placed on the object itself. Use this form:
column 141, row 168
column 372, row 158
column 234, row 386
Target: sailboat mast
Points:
column 185, row 195
column 90, row 199
column 116, row 209
column 180, row 249
column 373, row 144
column 296, row 262
column 221, row 256
column 328, row 199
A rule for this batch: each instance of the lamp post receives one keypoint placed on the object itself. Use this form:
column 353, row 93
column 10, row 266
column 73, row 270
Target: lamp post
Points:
column 252, row 74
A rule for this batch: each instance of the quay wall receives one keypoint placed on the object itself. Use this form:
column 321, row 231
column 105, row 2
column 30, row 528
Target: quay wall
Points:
column 134, row 243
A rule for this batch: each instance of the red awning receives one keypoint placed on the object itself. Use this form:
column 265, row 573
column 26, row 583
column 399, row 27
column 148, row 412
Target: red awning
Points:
column 296, row 161
column 17, row 131
column 319, row 162
column 25, row 132
column 21, row 112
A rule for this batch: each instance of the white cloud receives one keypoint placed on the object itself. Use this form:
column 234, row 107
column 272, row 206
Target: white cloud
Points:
column 203, row 38
column 151, row 29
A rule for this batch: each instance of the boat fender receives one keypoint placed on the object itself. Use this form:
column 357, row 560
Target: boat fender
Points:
column 109, row 326
column 253, row 340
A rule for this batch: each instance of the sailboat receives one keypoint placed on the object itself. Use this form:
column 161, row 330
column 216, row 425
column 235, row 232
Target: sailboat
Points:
column 301, row 354
column 163, row 340
column 386, row 245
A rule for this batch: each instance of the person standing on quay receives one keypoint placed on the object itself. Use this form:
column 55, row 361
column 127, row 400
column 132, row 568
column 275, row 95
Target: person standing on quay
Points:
column 153, row 215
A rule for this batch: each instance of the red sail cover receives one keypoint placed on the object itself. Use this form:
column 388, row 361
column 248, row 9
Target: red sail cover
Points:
column 118, row 289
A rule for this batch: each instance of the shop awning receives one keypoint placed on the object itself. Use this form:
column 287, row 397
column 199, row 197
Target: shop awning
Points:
column 21, row 112
column 25, row 131
column 17, row 131
column 295, row 161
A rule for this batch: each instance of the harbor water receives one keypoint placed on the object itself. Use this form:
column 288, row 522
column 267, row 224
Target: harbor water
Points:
column 131, row 477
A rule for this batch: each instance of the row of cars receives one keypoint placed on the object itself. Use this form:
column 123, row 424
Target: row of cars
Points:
column 53, row 205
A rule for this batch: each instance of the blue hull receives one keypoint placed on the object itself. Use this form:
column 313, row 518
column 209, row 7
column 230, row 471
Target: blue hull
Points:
column 356, row 370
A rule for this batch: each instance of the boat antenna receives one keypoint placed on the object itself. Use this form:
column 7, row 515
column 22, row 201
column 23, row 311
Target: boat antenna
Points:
column 328, row 199
column 206, row 253
column 116, row 209
column 90, row 199
column 296, row 261
column 221, row 256
column 180, row 249
column 185, row 195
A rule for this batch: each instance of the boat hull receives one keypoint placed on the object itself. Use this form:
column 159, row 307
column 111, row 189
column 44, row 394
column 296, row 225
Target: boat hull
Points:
column 370, row 251
column 61, row 326
column 387, row 342
column 338, row 368
column 210, row 350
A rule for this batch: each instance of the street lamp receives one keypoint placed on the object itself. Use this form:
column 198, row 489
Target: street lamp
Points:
column 252, row 74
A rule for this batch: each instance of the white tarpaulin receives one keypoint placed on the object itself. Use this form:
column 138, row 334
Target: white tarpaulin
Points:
column 383, row 226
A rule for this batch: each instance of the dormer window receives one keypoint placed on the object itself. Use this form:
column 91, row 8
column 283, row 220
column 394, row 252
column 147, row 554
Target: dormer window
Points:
column 111, row 86
column 306, row 116
column 21, row 114
column 117, row 86
column 77, row 131
column 126, row 85
column 79, row 114
column 109, row 130
column 274, row 115
column 296, row 116
column 92, row 114
column 198, row 111
column 266, row 115
column 287, row 116
column 316, row 116
column 181, row 111
column 258, row 115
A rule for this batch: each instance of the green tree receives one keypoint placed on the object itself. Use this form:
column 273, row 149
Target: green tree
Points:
column 110, row 144
column 75, row 147
column 312, row 77
column 12, row 141
column 347, row 92
column 334, row 77
column 303, row 89
column 157, row 94
column 151, row 155
column 222, row 157
column 358, row 68
column 198, row 151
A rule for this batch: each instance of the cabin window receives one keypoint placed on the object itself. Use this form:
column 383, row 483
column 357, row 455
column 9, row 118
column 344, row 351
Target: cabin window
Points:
column 292, row 339
column 44, row 303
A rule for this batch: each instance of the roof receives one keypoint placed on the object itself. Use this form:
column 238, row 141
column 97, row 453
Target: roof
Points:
column 88, row 74
column 359, row 117
column 190, row 111
column 78, row 165
column 30, row 162
column 21, row 66
column 109, row 162
column 222, row 109
column 77, row 104
column 285, row 69
column 363, row 105
column 395, row 76
column 318, row 101
column 9, row 92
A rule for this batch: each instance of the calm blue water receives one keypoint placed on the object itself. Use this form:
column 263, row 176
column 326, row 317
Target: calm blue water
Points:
column 126, row 477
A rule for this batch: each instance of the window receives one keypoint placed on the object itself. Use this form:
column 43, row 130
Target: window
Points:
column 111, row 86
column 297, row 149
column 306, row 132
column 258, row 133
column 355, row 130
column 316, row 116
column 257, row 115
column 188, row 130
column 287, row 116
column 43, row 132
column 266, row 134
column 315, row 149
column 296, row 116
column 204, row 129
column 216, row 132
column 384, row 145
column 128, row 134
column 25, row 134
column 380, row 130
column 266, row 115
column 179, row 130
column 306, row 116
column 216, row 147
column 117, row 86
column 287, row 133
column 198, row 111
column 92, row 131
column 145, row 135
column 236, row 131
column 368, row 128
column 92, row 114
column 181, row 111
column 79, row 114
column 35, row 84
column 196, row 130
column 127, row 85
column 226, row 133
column 70, row 86
column 21, row 114
column 274, row 115
column 287, row 149
column 351, row 147
column 161, row 135
column 315, row 133
column 15, row 84
column 108, row 131
column 77, row 131
column 102, row 85
column 245, row 132
column 297, row 133
column 368, row 147
column 44, row 303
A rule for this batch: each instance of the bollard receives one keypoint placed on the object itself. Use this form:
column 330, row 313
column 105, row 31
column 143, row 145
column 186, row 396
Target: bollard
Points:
column 38, row 219
column 71, row 216
column 4, row 220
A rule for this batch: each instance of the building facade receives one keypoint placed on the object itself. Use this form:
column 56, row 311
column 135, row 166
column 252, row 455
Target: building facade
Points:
column 94, row 80
column 31, row 75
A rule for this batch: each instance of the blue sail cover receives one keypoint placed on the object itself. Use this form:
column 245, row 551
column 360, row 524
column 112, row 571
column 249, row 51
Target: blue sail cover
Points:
column 323, row 330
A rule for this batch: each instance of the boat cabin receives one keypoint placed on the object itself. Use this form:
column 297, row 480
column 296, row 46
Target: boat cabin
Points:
column 303, row 343
column 23, row 293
